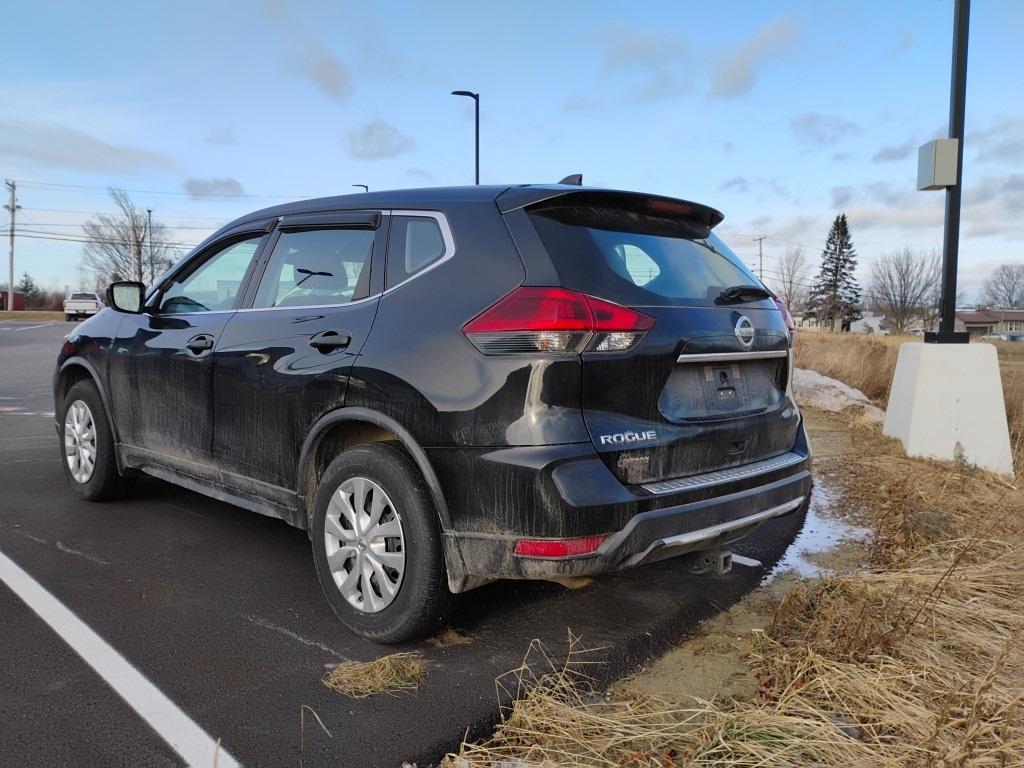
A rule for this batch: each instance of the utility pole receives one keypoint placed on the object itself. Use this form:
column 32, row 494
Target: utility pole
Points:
column 760, row 257
column 149, row 228
column 13, row 208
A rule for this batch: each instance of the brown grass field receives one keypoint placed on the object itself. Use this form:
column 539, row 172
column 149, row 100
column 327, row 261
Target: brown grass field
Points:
column 867, row 363
column 913, row 656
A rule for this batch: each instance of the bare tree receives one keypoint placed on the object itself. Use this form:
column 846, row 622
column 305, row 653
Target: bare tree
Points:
column 1005, row 287
column 791, row 279
column 904, row 284
column 118, row 247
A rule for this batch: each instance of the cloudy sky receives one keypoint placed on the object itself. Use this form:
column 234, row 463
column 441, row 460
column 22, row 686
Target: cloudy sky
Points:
column 781, row 114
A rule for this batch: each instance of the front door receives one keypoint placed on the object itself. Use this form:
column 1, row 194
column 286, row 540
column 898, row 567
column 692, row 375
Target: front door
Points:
column 284, row 361
column 162, row 363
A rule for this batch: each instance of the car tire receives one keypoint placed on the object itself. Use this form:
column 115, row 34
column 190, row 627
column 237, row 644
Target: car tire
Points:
column 88, row 431
column 68, row 318
column 392, row 483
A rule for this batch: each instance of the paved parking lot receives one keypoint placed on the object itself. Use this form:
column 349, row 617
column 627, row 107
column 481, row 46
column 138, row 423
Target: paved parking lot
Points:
column 220, row 609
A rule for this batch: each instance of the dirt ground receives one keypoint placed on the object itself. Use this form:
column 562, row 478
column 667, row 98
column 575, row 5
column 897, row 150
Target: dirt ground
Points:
column 710, row 664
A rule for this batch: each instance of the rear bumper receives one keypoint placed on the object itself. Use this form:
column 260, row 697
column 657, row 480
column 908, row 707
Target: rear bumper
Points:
column 639, row 524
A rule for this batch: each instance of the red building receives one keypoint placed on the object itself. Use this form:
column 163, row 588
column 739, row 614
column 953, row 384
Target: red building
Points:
column 19, row 301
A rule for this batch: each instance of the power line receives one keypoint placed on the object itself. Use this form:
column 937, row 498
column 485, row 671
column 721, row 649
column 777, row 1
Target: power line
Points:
column 224, row 196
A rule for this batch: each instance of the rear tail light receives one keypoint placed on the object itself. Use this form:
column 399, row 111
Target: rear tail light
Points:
column 534, row 319
column 785, row 314
column 558, row 547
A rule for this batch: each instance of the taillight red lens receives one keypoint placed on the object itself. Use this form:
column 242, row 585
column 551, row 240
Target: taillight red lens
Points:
column 547, row 319
column 558, row 547
column 785, row 314
column 534, row 309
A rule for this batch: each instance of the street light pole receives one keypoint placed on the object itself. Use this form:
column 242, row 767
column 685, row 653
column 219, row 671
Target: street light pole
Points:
column 951, row 234
column 365, row 188
column 476, row 102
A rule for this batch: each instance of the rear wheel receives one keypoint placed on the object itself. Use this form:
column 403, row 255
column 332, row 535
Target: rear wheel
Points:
column 68, row 318
column 87, row 445
column 377, row 546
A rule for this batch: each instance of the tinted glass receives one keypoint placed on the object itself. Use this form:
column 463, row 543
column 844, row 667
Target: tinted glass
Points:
column 214, row 285
column 637, row 260
column 91, row 296
column 316, row 267
column 415, row 243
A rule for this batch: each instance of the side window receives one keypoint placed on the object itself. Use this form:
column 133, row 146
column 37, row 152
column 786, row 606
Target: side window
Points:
column 214, row 285
column 415, row 243
column 313, row 267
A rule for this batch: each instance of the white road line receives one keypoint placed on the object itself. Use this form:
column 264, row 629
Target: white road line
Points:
column 27, row 327
column 164, row 716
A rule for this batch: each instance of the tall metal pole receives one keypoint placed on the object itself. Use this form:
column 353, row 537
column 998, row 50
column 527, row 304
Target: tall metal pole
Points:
column 149, row 227
column 951, row 235
column 13, row 208
column 476, row 102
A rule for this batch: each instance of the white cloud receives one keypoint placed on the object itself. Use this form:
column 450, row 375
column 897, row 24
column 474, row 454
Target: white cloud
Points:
column 738, row 73
column 215, row 186
column 58, row 146
column 815, row 128
column 327, row 72
column 376, row 140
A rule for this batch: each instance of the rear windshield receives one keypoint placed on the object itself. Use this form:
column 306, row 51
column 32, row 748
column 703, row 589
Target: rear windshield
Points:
column 90, row 296
column 636, row 259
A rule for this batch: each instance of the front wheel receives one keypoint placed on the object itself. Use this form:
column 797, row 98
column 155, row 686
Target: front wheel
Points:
column 377, row 545
column 87, row 445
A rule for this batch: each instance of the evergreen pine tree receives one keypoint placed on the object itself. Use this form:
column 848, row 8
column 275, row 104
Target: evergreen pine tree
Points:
column 28, row 288
column 835, row 296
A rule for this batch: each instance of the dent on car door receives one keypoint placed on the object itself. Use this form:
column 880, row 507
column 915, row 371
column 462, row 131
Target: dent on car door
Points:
column 285, row 361
column 162, row 366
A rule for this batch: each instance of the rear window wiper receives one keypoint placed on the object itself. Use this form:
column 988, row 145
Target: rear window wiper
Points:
column 738, row 294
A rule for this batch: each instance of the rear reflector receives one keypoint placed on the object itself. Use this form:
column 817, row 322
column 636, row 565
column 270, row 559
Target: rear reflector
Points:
column 537, row 319
column 558, row 547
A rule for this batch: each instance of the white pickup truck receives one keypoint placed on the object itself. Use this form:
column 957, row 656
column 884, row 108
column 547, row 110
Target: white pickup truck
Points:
column 82, row 305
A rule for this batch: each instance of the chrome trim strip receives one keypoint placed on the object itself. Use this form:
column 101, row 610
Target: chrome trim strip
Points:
column 720, row 476
column 298, row 309
column 722, row 357
column 714, row 531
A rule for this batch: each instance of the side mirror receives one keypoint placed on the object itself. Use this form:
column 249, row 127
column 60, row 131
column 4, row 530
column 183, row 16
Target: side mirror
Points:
column 126, row 296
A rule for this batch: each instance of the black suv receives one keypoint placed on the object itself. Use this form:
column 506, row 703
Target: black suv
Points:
column 450, row 386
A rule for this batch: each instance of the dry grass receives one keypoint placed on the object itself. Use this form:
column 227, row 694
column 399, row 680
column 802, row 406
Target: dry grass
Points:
column 869, row 362
column 449, row 637
column 31, row 315
column 917, row 662
column 388, row 674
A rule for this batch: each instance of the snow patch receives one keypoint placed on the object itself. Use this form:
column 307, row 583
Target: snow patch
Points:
column 827, row 394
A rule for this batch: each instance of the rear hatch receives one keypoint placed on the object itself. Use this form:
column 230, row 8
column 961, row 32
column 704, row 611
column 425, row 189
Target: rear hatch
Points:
column 705, row 389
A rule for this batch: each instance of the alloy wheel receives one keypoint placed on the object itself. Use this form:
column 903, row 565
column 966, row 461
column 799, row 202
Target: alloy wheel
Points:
column 80, row 441
column 365, row 544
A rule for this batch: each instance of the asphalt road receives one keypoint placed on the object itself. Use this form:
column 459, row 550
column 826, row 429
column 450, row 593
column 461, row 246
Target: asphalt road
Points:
column 220, row 609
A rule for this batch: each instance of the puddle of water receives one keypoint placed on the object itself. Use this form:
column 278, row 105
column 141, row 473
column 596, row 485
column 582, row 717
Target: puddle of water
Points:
column 820, row 533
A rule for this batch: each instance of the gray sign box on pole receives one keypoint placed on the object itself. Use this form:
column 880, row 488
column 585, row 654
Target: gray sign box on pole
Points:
column 936, row 164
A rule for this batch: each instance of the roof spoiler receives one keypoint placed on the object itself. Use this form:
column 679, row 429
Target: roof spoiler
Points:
column 652, row 205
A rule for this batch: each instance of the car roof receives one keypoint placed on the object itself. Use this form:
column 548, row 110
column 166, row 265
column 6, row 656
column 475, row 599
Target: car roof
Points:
column 425, row 197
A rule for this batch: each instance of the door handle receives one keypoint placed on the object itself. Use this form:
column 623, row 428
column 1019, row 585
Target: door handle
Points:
column 199, row 344
column 328, row 341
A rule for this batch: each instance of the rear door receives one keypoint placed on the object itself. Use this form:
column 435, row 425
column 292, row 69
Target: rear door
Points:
column 284, row 359
column 705, row 388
